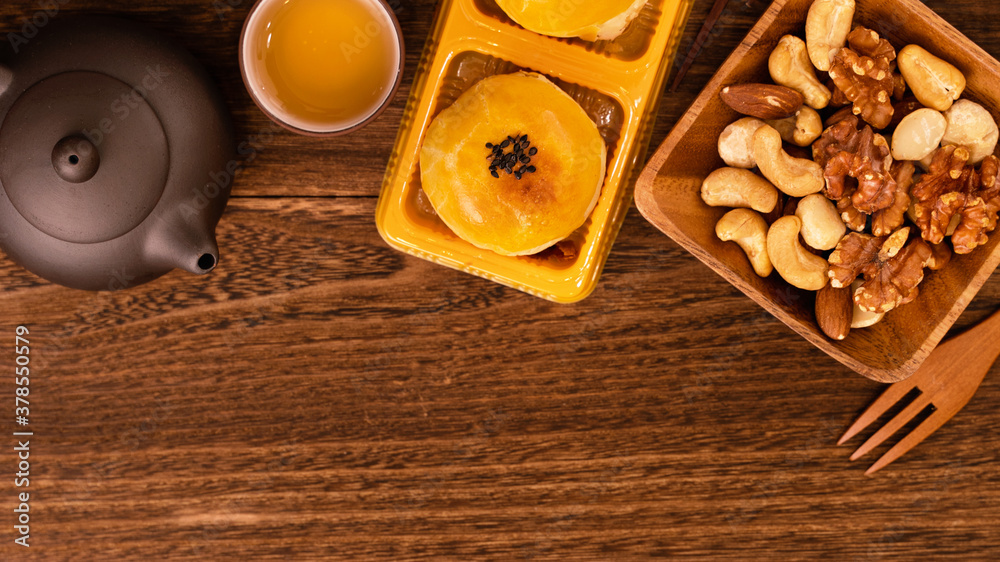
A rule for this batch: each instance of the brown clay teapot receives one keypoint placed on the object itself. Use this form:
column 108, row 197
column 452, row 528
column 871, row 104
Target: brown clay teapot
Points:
column 116, row 155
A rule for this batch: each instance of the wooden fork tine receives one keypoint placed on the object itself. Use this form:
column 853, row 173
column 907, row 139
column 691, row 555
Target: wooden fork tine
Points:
column 894, row 425
column 922, row 431
column 893, row 394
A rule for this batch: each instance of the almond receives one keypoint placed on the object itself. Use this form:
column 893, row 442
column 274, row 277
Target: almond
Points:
column 763, row 101
column 835, row 311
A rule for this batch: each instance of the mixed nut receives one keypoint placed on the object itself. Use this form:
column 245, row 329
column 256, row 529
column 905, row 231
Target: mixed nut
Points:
column 901, row 166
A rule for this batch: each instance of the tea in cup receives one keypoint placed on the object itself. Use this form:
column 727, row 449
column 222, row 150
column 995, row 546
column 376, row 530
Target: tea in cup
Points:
column 321, row 67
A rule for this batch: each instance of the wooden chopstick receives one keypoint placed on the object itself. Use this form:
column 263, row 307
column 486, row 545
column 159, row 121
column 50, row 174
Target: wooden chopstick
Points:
column 699, row 41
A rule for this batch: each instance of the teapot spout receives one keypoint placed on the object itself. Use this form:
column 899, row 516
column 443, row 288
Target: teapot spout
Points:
column 178, row 244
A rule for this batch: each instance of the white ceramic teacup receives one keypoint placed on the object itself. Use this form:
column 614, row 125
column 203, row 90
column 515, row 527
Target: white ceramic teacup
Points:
column 340, row 43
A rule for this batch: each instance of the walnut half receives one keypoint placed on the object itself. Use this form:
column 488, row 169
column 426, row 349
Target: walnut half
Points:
column 891, row 266
column 953, row 189
column 864, row 73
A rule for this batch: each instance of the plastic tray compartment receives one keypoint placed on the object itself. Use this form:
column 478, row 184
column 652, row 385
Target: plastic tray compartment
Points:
column 616, row 82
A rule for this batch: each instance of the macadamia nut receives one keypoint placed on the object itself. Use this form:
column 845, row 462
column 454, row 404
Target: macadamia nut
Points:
column 971, row 126
column 735, row 142
column 919, row 134
column 822, row 227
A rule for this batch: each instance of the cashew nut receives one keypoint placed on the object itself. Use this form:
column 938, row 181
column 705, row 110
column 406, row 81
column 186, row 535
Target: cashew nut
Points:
column 734, row 142
column 801, row 129
column 822, row 227
column 736, row 187
column 935, row 82
column 796, row 177
column 918, row 134
column 862, row 318
column 748, row 229
column 790, row 66
column 827, row 26
column 793, row 261
column 971, row 126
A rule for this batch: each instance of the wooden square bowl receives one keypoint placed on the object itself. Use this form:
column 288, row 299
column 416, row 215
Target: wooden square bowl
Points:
column 667, row 193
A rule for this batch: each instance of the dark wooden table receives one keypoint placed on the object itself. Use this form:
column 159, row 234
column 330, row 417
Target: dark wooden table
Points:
column 321, row 395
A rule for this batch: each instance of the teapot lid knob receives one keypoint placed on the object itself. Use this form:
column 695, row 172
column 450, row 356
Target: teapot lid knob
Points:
column 75, row 159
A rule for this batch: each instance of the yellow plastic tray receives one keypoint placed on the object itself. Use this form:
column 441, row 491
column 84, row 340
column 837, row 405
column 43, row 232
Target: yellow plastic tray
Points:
column 617, row 82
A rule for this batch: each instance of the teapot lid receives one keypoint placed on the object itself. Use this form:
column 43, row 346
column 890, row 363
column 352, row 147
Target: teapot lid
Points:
column 85, row 156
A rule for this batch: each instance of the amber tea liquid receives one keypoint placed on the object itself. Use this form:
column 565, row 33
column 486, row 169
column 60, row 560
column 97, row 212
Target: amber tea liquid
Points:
column 321, row 65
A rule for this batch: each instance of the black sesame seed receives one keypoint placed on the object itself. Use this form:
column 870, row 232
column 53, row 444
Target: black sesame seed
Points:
column 512, row 155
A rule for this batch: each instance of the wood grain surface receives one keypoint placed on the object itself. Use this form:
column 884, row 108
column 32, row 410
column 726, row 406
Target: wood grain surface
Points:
column 321, row 396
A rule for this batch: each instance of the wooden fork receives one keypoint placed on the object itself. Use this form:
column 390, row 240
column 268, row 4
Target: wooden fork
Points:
column 946, row 380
